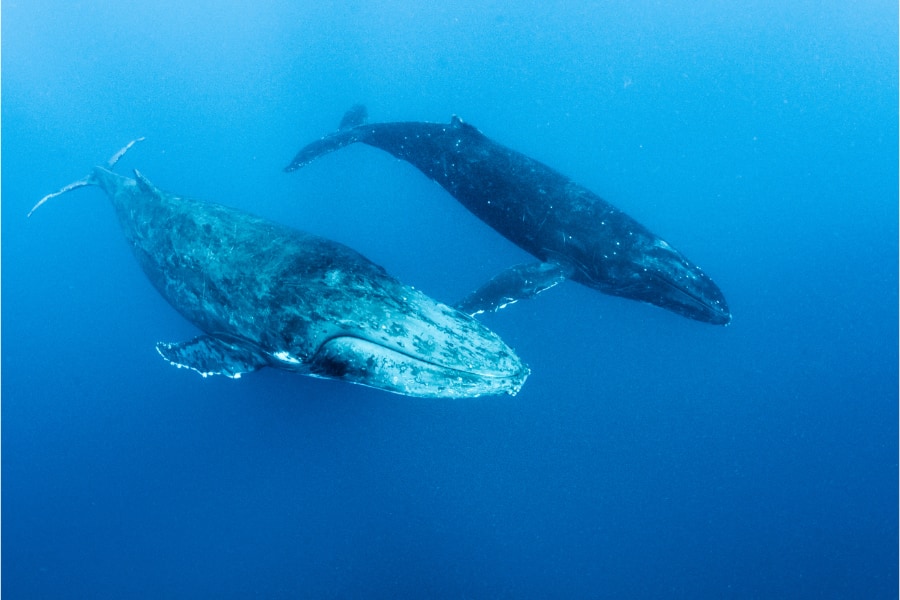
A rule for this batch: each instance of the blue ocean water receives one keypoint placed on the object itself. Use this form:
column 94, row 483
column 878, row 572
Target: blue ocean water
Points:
column 648, row 456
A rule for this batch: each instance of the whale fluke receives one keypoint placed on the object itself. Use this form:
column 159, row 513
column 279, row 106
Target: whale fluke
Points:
column 72, row 186
column 115, row 157
column 86, row 180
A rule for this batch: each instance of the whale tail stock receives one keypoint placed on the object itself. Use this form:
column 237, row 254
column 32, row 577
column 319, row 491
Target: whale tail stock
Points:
column 346, row 134
column 88, row 179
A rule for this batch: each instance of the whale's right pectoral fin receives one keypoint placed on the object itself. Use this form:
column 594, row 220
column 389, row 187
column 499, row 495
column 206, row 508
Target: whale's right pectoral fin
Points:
column 516, row 283
column 209, row 355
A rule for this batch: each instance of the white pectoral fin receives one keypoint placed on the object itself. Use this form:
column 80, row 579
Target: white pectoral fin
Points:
column 516, row 283
column 209, row 355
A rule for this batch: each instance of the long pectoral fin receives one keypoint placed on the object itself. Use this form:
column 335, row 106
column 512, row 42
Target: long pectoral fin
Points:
column 516, row 283
column 210, row 355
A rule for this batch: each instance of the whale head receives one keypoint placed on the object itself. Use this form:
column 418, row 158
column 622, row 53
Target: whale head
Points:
column 661, row 275
column 427, row 350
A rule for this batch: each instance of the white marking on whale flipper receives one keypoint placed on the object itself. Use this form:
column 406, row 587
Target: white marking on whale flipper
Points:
column 209, row 355
column 519, row 282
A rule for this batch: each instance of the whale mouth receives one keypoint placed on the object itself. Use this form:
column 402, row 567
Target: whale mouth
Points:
column 698, row 299
column 365, row 362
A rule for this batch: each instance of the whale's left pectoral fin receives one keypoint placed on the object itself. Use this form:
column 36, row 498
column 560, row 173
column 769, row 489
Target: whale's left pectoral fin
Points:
column 516, row 283
column 209, row 355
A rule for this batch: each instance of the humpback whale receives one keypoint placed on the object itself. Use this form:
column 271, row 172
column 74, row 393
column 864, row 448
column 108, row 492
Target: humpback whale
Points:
column 266, row 295
column 574, row 232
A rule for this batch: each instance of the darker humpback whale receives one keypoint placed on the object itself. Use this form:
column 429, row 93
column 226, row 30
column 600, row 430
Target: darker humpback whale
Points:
column 266, row 295
column 574, row 232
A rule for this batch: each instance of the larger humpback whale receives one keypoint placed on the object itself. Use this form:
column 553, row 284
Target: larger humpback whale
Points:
column 574, row 232
column 266, row 295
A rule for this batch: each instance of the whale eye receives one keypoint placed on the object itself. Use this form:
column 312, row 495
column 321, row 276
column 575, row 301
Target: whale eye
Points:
column 332, row 367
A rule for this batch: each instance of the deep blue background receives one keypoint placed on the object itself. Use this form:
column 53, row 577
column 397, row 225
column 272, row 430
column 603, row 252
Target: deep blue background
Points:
column 648, row 456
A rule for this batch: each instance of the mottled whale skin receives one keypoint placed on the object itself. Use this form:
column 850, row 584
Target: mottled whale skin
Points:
column 542, row 211
column 266, row 295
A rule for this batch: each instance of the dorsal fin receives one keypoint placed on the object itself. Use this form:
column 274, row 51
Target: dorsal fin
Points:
column 457, row 123
column 354, row 117
column 146, row 186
